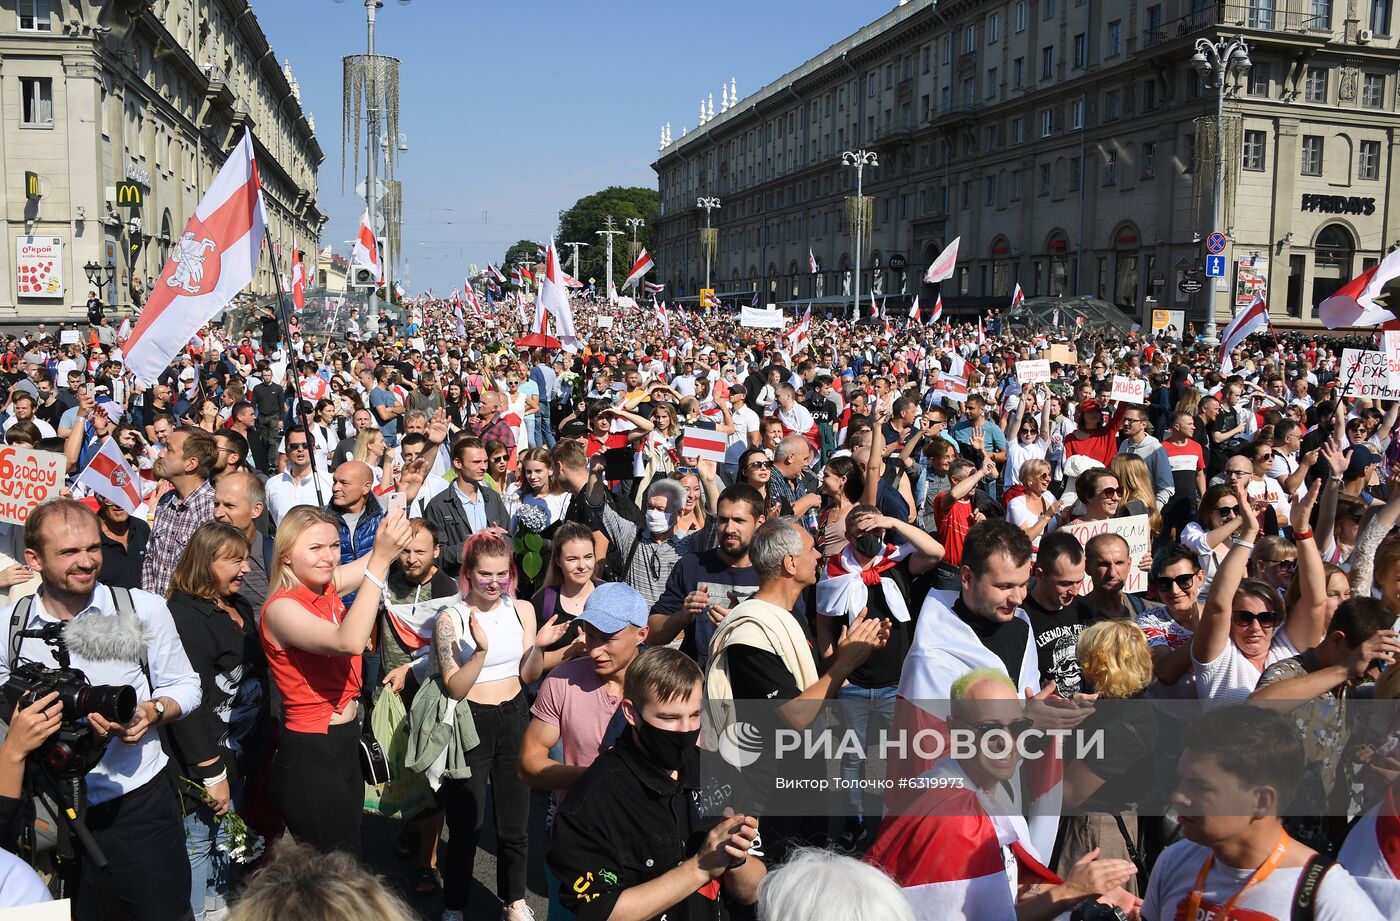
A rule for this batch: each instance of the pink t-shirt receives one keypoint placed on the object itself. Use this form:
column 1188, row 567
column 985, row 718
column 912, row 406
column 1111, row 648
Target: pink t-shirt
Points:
column 573, row 699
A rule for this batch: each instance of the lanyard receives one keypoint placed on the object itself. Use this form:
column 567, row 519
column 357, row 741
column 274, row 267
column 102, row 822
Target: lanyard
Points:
column 1193, row 907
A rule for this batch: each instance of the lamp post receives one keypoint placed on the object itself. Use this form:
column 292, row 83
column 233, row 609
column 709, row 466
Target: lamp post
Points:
column 859, row 159
column 607, row 233
column 709, row 203
column 100, row 277
column 1215, row 62
column 577, row 273
column 634, row 223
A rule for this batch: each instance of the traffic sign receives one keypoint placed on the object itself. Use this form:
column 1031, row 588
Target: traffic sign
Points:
column 1215, row 243
column 1189, row 285
column 1215, row 266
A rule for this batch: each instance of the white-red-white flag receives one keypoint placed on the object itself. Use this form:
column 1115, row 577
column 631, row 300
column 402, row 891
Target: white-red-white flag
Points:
column 639, row 268
column 651, row 287
column 298, row 278
column 111, row 477
column 554, row 297
column 874, row 308
column 665, row 320
column 914, row 311
column 1364, row 301
column 981, row 332
column 1253, row 317
column 812, row 260
column 944, row 265
column 937, row 310
column 704, row 444
column 801, row 333
column 215, row 258
column 496, row 274
column 366, row 252
column 570, row 281
column 1017, row 296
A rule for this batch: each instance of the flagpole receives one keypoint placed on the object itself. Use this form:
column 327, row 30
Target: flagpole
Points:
column 297, row 401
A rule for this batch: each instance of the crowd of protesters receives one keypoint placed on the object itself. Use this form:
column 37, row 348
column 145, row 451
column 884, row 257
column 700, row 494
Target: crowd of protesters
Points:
column 539, row 565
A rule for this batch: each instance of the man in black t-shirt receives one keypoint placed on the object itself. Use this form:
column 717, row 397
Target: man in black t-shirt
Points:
column 1057, row 611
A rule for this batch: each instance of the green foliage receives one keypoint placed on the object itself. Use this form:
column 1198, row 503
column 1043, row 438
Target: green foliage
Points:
column 529, row 547
column 522, row 250
column 582, row 222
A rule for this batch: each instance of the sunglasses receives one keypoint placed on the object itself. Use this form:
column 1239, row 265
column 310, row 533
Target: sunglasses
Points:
column 1163, row 584
column 1281, row 564
column 1227, row 511
column 1267, row 619
column 1236, row 474
column 296, row 446
column 1112, row 492
column 760, row 465
column 1015, row 728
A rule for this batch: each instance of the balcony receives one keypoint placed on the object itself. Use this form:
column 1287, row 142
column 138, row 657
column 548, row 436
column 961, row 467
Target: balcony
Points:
column 1272, row 16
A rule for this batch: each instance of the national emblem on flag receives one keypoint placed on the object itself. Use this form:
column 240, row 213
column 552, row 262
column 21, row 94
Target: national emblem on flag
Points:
column 111, row 477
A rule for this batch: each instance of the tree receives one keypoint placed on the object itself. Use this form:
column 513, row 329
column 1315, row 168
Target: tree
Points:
column 582, row 222
column 520, row 251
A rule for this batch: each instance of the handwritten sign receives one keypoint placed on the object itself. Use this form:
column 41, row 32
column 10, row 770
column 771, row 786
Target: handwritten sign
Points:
column 605, row 322
column 1033, row 371
column 68, row 337
column 1134, row 529
column 1391, row 341
column 1128, row 390
column 1367, row 374
column 26, row 479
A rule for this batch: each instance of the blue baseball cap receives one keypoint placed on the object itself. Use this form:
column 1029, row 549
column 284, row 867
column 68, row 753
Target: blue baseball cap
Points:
column 613, row 606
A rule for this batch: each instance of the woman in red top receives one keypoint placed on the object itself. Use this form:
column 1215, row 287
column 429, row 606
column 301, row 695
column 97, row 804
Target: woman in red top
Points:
column 313, row 651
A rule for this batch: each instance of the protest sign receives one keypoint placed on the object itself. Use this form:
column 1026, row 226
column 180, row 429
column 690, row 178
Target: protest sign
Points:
column 1062, row 354
column 1033, row 371
column 762, row 319
column 1367, row 374
column 68, row 337
column 605, row 322
column 1134, row 529
column 26, row 479
column 1128, row 390
column 1391, row 340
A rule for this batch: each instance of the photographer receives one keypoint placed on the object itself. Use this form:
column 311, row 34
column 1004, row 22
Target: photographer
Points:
column 131, row 807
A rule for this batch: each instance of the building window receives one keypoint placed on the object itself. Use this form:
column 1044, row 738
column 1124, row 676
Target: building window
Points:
column 872, row 83
column 1115, row 37
column 969, row 92
column 990, row 186
column 1018, row 73
column 1018, row 131
column 1020, row 15
column 927, row 107
column 1322, row 14
column 1149, row 95
column 1047, row 62
column 1080, row 50
column 1372, row 91
column 1049, row 8
column 1044, row 187
column 889, row 76
column 1075, row 171
column 1259, row 79
column 947, row 93
column 1111, row 104
column 1368, row 166
column 993, row 28
column 1312, row 155
column 966, row 194
column 1154, row 24
column 36, row 101
column 1015, row 193
column 1259, row 14
column 1254, row 149
column 1315, row 88
column 34, row 16
column 970, row 39
column 991, row 83
column 928, row 58
column 1380, row 16
column 1110, row 168
column 990, row 138
column 1149, row 161
column 1046, row 123
column 948, row 48
column 1076, row 114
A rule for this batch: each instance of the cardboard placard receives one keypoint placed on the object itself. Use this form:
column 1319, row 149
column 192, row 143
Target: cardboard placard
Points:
column 68, row 337
column 762, row 319
column 1391, row 343
column 1134, row 529
column 1367, row 374
column 1062, row 354
column 1128, row 390
column 26, row 479
column 605, row 322
column 1033, row 371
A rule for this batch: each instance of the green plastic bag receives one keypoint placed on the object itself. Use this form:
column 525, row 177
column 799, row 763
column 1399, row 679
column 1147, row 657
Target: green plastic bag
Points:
column 406, row 794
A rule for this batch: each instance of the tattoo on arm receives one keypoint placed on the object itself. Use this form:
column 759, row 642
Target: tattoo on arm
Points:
column 445, row 643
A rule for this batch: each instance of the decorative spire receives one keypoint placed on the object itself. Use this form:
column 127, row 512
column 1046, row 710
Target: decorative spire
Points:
column 702, row 110
column 733, row 93
column 711, row 113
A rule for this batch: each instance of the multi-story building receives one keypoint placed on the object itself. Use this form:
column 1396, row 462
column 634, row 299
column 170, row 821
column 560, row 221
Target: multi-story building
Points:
column 114, row 119
column 1070, row 144
column 332, row 271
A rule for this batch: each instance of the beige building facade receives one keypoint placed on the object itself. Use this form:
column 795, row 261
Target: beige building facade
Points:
column 114, row 118
column 1070, row 144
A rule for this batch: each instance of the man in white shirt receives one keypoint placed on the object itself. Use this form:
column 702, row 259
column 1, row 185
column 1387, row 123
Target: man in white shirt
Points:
column 298, row 484
column 133, row 811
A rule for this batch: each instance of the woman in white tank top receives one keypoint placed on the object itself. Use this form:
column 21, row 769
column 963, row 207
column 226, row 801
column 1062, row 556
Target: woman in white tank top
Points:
column 486, row 649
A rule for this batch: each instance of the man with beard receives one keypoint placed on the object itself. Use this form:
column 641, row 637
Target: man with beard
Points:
column 704, row 586
column 1058, row 613
column 1107, row 562
column 185, row 465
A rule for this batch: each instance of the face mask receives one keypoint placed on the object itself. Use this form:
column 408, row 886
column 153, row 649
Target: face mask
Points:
column 665, row 748
column 869, row 545
column 659, row 522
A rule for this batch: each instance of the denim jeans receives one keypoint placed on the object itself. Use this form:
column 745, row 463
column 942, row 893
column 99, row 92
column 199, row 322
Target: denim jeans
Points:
column 209, row 867
column 869, row 710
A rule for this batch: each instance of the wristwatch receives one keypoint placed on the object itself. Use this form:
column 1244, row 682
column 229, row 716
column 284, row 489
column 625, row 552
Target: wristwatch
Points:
column 160, row 709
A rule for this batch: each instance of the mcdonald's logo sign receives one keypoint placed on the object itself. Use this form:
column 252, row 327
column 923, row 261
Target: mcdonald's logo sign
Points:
column 129, row 194
column 31, row 186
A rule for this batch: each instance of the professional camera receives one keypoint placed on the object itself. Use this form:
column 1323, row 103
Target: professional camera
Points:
column 75, row 748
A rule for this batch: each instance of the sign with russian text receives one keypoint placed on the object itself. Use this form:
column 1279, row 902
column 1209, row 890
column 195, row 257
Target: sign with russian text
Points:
column 1134, row 529
column 1367, row 374
column 39, row 267
column 1128, row 390
column 1033, row 371
column 758, row 318
column 26, row 479
column 1390, row 339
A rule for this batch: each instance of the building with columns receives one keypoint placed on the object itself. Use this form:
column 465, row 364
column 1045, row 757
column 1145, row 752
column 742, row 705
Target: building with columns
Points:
column 1070, row 144
column 114, row 118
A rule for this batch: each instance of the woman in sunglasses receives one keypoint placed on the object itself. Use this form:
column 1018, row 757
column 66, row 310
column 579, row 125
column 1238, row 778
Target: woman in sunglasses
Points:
column 756, row 469
column 1241, row 628
column 1217, row 521
column 1099, row 491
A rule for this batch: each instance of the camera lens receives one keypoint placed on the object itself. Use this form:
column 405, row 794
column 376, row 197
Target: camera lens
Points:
column 117, row 704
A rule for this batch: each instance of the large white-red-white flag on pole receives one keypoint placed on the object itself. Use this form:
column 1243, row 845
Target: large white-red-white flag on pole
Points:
column 215, row 258
column 639, row 268
column 914, row 311
column 665, row 320
column 554, row 297
column 801, row 334
column 812, row 260
column 366, row 252
column 111, row 477
column 944, row 265
column 1364, row 301
column 1252, row 318
column 937, row 310
column 298, row 278
column 1018, row 297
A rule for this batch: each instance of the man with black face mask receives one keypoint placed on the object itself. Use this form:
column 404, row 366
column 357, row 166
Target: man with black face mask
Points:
column 629, row 843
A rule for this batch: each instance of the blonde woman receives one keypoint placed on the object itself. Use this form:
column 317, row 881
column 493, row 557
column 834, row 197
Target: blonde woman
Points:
column 1034, row 509
column 1116, row 663
column 299, row 883
column 1139, row 497
column 371, row 448
column 313, row 646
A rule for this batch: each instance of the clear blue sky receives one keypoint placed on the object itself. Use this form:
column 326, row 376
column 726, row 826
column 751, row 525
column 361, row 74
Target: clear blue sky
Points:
column 514, row 111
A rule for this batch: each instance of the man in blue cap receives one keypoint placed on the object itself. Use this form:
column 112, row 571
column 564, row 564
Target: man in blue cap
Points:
column 576, row 715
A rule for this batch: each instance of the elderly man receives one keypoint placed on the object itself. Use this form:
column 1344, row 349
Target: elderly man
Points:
column 239, row 500
column 489, row 425
column 793, row 481
column 186, row 466
column 355, row 507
